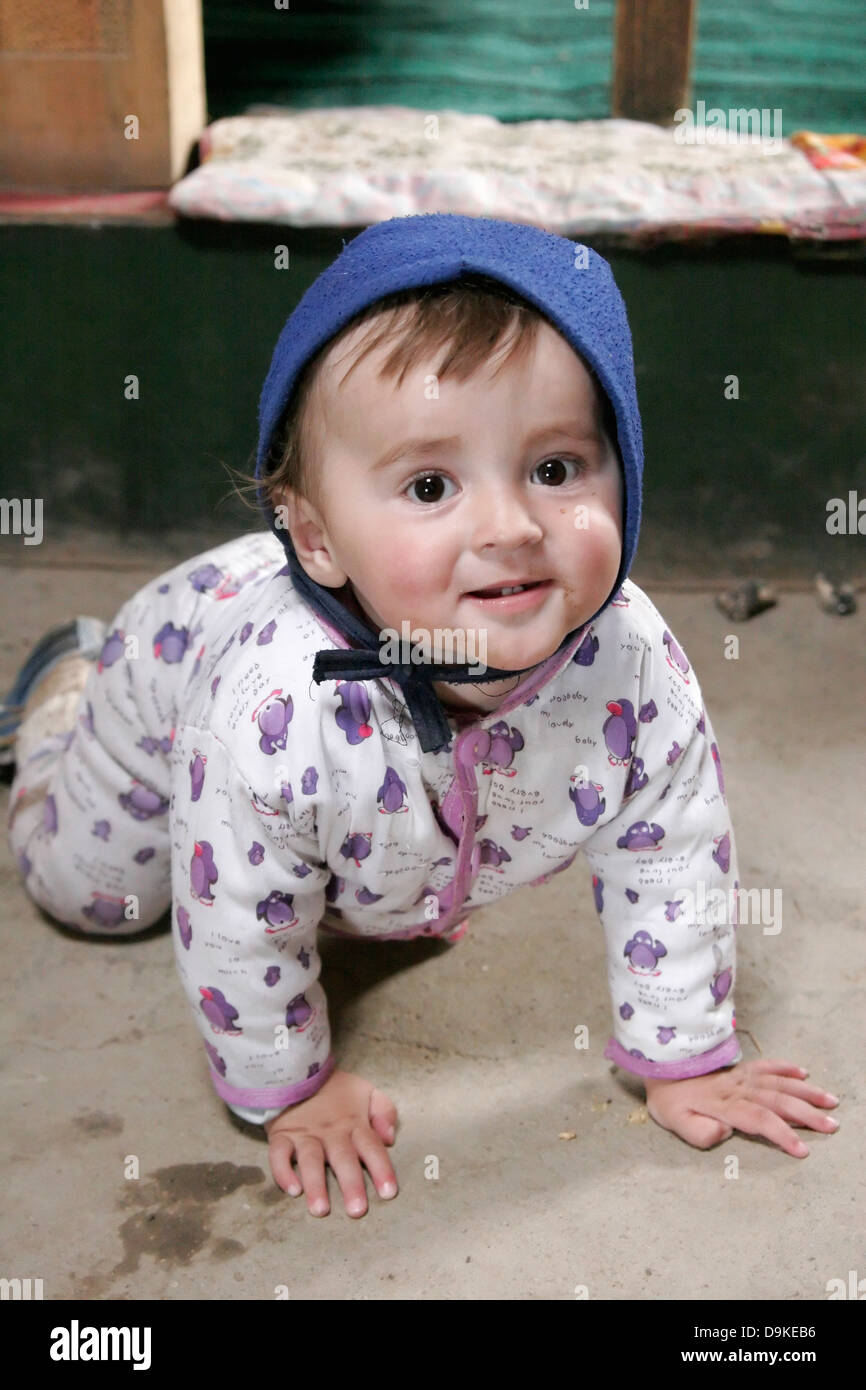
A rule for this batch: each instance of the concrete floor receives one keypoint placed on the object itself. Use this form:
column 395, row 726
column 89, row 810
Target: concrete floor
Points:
column 102, row 1060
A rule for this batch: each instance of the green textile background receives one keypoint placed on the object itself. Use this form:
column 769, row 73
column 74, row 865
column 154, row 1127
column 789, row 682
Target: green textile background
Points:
column 522, row 61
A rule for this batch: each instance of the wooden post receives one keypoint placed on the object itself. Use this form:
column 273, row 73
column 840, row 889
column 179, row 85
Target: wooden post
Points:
column 652, row 58
column 102, row 95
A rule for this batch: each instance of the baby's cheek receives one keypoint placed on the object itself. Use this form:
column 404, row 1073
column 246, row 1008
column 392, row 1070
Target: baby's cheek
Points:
column 411, row 572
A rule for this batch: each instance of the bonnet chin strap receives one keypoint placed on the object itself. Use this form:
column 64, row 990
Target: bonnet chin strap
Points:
column 364, row 662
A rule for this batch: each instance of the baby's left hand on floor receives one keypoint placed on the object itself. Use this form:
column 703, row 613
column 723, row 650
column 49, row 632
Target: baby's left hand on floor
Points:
column 757, row 1097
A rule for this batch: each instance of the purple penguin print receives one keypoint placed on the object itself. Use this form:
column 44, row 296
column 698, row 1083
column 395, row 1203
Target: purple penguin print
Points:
column 107, row 912
column 354, row 712
column 626, row 1011
column 589, row 804
column 585, row 654
column 202, row 872
column 619, row 599
column 357, row 846
column 216, row 1060
column 220, row 1014
column 49, row 815
column 112, row 650
column 277, row 910
column 520, row 832
column 272, row 976
column 673, row 753
column 286, row 793
column 267, row 633
column 309, row 781
column 213, row 685
column 274, row 715
column 701, row 726
column 644, row 954
column 365, row 897
column 641, row 836
column 142, row 856
column 722, row 852
column 101, row 829
column 391, row 794
column 196, row 775
column 301, row 870
column 304, row 958
column 245, row 633
column 720, row 984
column 184, row 927
column 676, row 657
column 204, row 578
column 170, row 644
column 150, row 745
column 648, row 712
column 298, row 1013
column 665, row 1035
column 619, row 730
column 673, row 908
column 142, row 802
column 256, row 853
column 493, row 855
column 495, row 748
column 632, row 895
column 636, row 779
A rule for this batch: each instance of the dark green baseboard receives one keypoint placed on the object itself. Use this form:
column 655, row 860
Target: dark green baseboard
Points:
column 194, row 310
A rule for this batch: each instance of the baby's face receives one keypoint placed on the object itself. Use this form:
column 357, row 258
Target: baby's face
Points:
column 428, row 499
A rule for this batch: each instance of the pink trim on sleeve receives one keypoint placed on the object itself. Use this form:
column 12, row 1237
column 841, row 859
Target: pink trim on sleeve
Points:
column 266, row 1097
column 723, row 1055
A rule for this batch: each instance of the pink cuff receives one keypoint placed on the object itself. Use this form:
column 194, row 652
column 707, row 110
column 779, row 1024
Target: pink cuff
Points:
column 724, row 1054
column 267, row 1097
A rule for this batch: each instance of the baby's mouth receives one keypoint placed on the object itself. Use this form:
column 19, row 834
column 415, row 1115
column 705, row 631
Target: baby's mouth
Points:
column 500, row 591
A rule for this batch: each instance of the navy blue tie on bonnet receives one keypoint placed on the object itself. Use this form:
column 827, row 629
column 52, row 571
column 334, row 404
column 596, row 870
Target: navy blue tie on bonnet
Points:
column 570, row 284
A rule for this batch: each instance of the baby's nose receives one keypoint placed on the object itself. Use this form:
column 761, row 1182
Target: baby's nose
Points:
column 505, row 516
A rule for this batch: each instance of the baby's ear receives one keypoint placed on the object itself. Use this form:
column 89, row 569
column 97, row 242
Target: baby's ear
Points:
column 311, row 541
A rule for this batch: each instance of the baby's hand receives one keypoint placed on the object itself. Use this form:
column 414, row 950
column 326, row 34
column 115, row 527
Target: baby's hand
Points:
column 756, row 1097
column 347, row 1120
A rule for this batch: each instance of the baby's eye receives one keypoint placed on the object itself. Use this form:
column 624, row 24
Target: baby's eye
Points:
column 552, row 470
column 431, row 487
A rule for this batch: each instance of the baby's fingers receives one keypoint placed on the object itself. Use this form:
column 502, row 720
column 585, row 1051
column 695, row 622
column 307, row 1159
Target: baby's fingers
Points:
column 774, row 1064
column 796, row 1109
column 280, row 1153
column 753, row 1118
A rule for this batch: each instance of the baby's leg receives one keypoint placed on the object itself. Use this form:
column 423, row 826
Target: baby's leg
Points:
column 90, row 840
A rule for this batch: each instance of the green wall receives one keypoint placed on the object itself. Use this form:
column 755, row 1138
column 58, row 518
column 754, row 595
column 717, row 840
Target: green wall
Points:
column 194, row 311
column 525, row 61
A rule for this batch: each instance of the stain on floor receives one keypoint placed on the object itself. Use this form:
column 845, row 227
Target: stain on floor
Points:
column 173, row 1217
column 97, row 1122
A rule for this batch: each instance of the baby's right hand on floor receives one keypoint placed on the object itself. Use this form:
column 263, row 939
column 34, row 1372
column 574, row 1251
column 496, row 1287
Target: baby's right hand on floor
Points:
column 346, row 1122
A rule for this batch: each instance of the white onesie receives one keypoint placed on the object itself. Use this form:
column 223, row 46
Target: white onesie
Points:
column 209, row 773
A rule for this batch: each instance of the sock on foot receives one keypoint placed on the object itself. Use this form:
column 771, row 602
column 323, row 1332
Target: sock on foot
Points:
column 51, row 707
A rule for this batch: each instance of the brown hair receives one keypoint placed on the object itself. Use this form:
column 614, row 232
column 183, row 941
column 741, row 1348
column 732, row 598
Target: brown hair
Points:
column 468, row 318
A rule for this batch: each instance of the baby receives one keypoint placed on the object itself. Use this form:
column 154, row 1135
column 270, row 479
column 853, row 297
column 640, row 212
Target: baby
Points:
column 429, row 684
